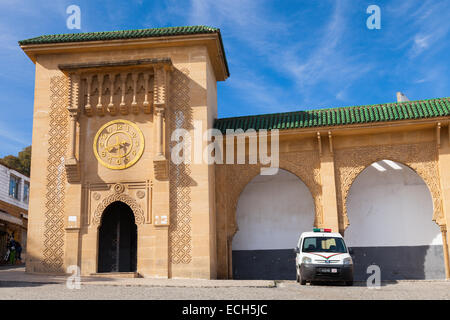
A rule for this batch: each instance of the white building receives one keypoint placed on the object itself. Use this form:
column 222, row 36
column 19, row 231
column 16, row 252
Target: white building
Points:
column 14, row 195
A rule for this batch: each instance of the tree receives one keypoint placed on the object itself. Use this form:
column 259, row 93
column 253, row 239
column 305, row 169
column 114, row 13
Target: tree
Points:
column 22, row 163
column 25, row 160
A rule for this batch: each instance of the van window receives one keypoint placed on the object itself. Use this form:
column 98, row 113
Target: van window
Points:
column 324, row 244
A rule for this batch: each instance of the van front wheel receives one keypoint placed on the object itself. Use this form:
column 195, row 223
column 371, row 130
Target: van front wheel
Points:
column 300, row 280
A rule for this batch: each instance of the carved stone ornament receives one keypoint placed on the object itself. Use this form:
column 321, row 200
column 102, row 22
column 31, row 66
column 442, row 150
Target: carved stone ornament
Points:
column 420, row 157
column 140, row 194
column 96, row 196
column 137, row 210
column 73, row 173
column 55, row 194
column 305, row 165
column 180, row 117
column 72, row 164
column 118, row 188
column 161, row 169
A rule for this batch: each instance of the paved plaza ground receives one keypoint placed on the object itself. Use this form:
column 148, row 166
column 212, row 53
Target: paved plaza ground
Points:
column 15, row 284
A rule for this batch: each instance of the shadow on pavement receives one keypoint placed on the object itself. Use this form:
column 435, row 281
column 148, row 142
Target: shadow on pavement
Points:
column 11, row 266
column 15, row 276
column 360, row 284
column 20, row 284
column 355, row 284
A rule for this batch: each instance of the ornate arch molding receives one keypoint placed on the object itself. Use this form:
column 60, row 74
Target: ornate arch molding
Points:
column 135, row 207
column 421, row 157
column 305, row 165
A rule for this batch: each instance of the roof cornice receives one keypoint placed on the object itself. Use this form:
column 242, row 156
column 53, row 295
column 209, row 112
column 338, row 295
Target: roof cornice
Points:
column 212, row 40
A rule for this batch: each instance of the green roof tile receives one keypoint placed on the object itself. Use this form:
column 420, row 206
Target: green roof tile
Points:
column 120, row 34
column 408, row 110
column 125, row 34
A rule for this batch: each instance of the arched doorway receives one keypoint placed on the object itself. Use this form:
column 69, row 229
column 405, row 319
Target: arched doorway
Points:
column 272, row 212
column 117, row 241
column 390, row 212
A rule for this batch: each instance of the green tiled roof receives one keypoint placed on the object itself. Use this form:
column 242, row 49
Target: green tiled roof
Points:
column 122, row 34
column 409, row 110
column 126, row 34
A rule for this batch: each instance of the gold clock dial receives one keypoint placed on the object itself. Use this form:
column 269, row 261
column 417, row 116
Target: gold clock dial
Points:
column 119, row 144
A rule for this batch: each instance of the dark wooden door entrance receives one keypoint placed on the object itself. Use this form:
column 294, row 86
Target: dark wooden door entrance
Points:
column 117, row 249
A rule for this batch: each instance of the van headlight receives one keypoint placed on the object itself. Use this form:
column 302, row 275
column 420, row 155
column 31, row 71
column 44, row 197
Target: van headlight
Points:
column 306, row 260
column 348, row 260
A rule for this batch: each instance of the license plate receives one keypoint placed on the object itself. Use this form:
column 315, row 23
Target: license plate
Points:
column 328, row 270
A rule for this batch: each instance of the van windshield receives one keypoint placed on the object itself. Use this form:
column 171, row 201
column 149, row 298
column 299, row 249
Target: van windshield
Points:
column 324, row 244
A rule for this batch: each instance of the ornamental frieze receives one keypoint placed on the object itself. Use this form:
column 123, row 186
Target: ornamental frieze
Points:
column 420, row 157
column 136, row 195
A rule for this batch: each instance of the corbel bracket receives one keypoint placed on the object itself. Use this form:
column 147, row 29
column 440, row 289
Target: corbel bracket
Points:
column 72, row 164
column 330, row 140
column 160, row 103
column 320, row 143
column 438, row 135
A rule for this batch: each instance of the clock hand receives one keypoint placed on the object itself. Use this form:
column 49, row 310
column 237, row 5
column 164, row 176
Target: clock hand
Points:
column 113, row 146
column 120, row 145
column 109, row 148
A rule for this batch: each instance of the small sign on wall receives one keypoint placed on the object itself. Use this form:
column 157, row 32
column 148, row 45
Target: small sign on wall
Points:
column 161, row 220
column 72, row 222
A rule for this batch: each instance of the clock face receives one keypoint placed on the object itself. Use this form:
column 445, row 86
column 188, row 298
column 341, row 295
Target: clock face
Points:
column 119, row 144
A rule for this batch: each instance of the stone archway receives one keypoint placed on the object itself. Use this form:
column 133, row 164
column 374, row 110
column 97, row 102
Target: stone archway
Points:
column 390, row 209
column 115, row 197
column 305, row 165
column 272, row 212
column 231, row 181
column 420, row 157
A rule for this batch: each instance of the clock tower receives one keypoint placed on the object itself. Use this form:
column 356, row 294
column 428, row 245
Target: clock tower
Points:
column 104, row 194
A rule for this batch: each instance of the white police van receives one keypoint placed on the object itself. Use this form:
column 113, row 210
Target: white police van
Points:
column 323, row 256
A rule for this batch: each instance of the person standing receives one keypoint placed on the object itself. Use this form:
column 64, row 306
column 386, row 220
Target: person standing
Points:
column 18, row 251
column 12, row 251
column 6, row 257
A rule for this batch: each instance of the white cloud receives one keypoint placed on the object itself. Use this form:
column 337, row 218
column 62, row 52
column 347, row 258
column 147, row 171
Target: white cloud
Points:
column 423, row 29
column 428, row 27
column 422, row 41
column 283, row 48
column 12, row 135
column 260, row 94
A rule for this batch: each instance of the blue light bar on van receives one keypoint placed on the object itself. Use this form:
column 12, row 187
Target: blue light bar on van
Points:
column 321, row 230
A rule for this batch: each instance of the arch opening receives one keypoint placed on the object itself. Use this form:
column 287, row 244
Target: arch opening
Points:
column 390, row 212
column 272, row 212
column 117, row 240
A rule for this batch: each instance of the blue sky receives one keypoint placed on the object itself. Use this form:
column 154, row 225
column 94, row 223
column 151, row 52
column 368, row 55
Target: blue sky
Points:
column 283, row 55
